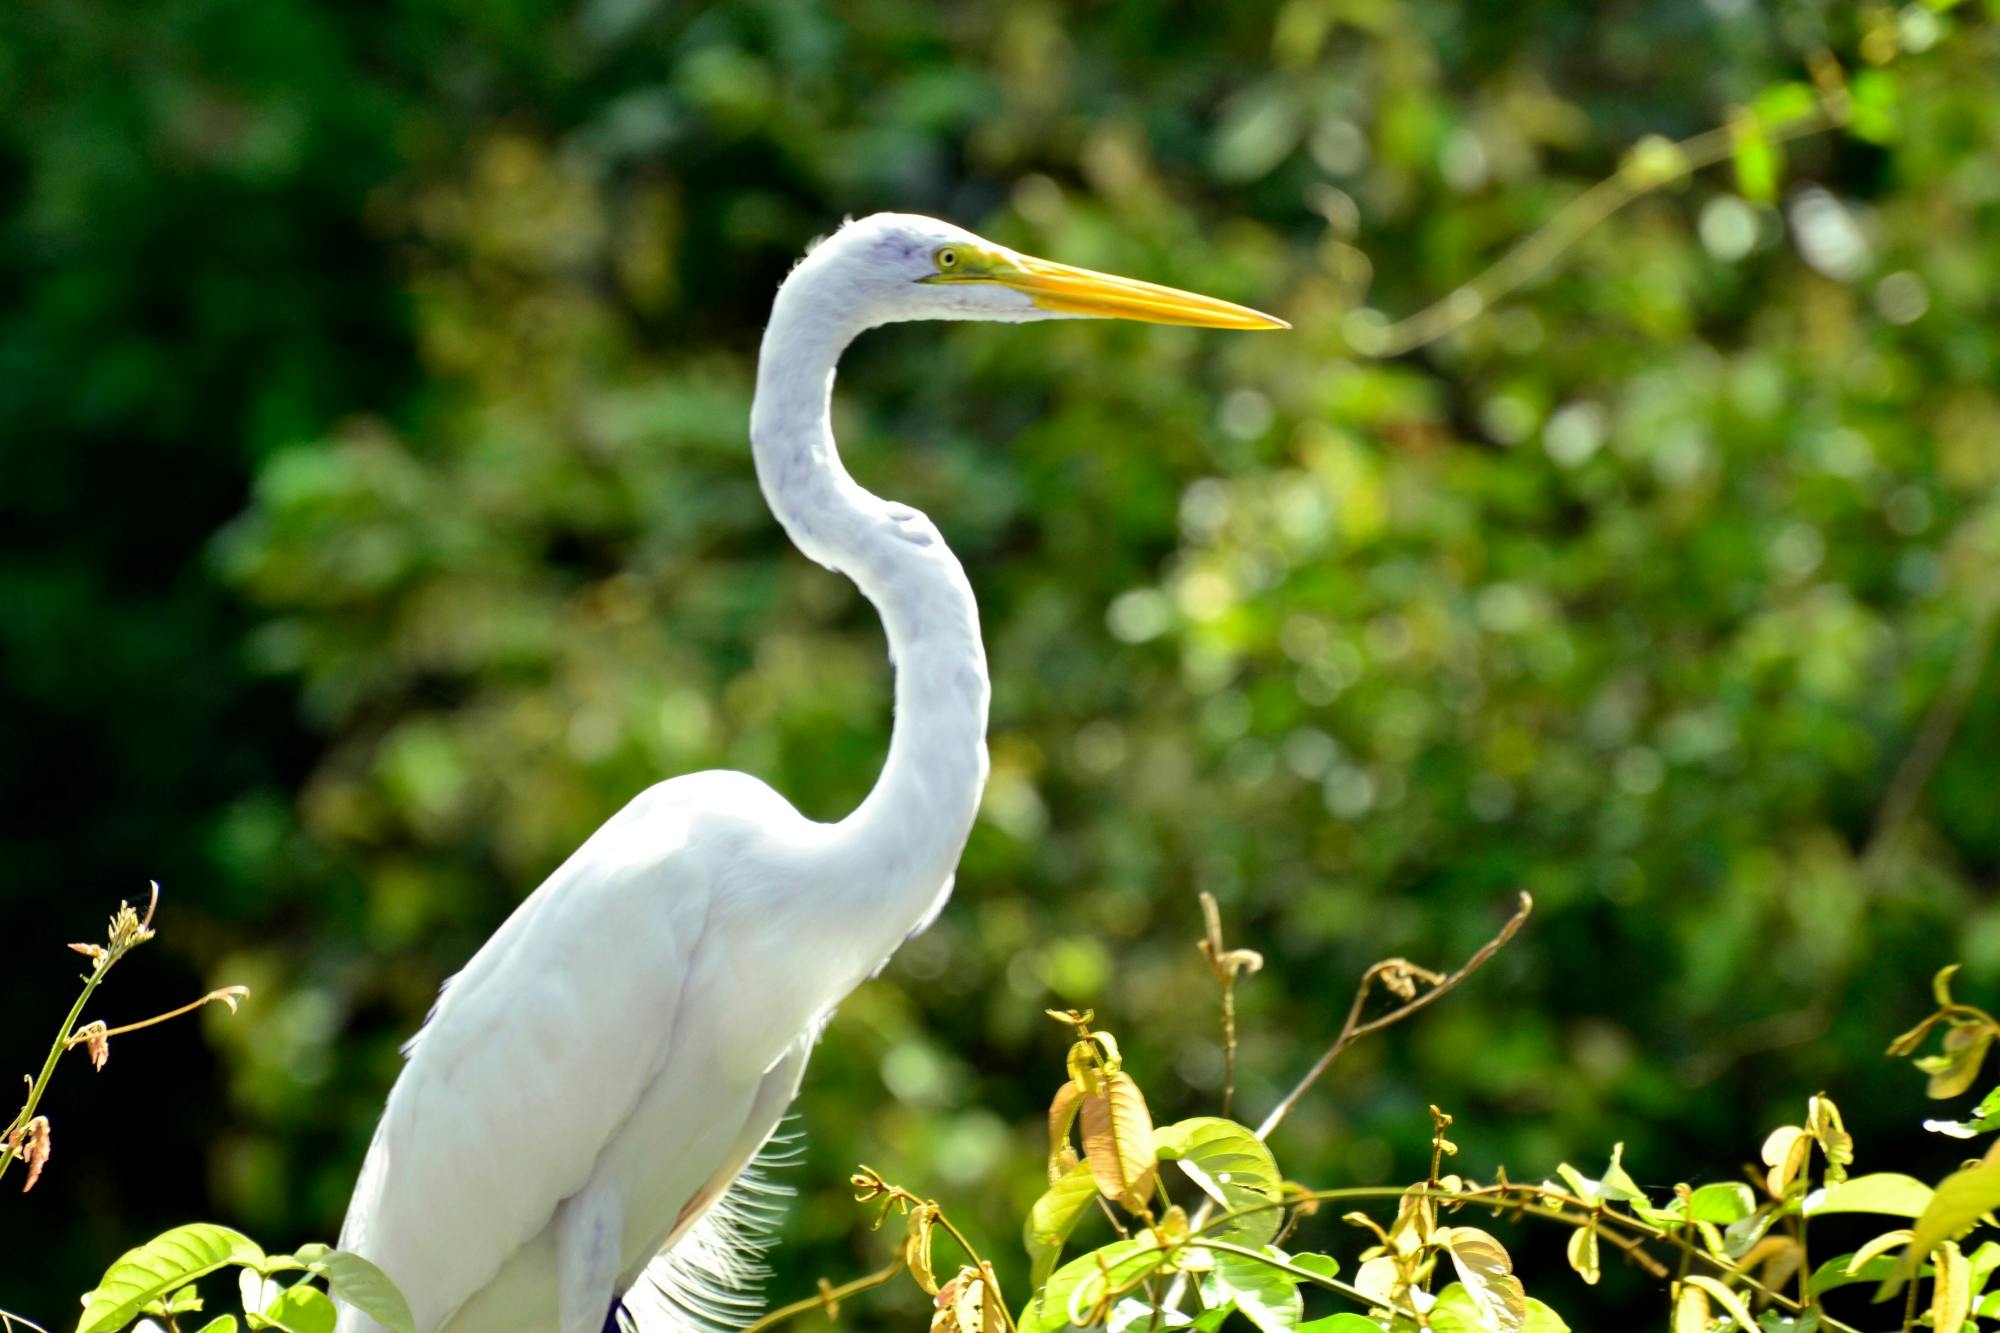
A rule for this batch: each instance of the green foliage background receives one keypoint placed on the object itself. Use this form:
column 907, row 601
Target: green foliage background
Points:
column 377, row 519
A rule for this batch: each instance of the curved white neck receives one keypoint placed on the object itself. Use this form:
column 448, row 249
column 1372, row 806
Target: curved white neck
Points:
column 904, row 840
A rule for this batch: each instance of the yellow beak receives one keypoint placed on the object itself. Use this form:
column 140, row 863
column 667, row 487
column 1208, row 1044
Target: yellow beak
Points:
column 1078, row 291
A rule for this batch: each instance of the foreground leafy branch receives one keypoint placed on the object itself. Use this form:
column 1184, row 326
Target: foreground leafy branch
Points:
column 155, row 1284
column 27, row 1136
column 1730, row 1255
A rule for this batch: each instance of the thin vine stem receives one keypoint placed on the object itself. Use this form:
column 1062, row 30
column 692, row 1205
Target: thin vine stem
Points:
column 228, row 995
column 826, row 1297
column 1534, row 254
column 1354, row 1029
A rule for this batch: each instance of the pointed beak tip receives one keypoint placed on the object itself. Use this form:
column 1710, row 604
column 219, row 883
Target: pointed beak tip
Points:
column 1076, row 291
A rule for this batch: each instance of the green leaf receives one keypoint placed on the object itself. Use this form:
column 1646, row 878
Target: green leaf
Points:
column 1542, row 1319
column 1833, row 1273
column 1984, row 1261
column 1455, row 1312
column 222, row 1323
column 1054, row 1217
column 1742, row 1235
column 1722, row 1204
column 1885, row 1192
column 1089, row 1283
column 1323, row 1264
column 1616, row 1183
column 170, row 1260
column 359, row 1283
column 1267, row 1296
column 1233, row 1167
column 1341, row 1323
column 300, row 1309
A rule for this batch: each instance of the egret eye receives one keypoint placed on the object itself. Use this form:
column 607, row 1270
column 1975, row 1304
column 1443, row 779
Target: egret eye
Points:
column 946, row 259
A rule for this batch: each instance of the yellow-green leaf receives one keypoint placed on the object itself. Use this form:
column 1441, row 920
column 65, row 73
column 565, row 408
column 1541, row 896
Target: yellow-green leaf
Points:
column 299, row 1309
column 1785, row 1153
column 1118, row 1139
column 1542, row 1319
column 1959, row 1201
column 1953, row 1072
column 1082, row 1289
column 1583, row 1254
column 357, row 1282
column 1724, row 1297
column 917, row 1247
column 1823, row 1122
column 1231, row 1165
column 1722, row 1203
column 153, row 1270
column 1878, row 1247
column 1053, row 1218
column 1951, row 1290
column 1454, row 1312
column 1266, row 1295
column 1062, row 1114
column 1486, row 1270
column 1690, row 1309
column 1884, row 1192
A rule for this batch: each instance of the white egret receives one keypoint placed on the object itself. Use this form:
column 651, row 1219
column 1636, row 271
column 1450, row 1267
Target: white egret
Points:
column 574, row 1132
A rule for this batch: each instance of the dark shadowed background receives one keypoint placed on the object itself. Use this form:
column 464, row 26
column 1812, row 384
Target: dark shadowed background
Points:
column 376, row 517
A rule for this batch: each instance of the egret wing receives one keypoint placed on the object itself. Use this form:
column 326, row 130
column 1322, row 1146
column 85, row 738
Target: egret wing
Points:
column 533, row 1057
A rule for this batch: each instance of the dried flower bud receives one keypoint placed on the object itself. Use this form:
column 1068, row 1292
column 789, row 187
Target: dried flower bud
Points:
column 35, row 1149
column 1400, row 977
column 97, row 1039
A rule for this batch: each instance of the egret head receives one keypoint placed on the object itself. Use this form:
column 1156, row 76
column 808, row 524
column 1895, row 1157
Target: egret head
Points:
column 901, row 266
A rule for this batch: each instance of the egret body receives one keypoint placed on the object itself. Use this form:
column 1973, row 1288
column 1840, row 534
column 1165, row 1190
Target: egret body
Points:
column 571, row 1142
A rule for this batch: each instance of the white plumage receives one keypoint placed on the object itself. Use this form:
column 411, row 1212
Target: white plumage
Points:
column 577, row 1123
